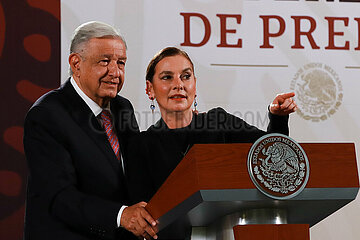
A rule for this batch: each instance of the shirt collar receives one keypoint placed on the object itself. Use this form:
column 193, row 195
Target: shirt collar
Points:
column 95, row 108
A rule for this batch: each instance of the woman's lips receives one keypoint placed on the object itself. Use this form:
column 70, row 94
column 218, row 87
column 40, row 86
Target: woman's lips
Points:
column 178, row 97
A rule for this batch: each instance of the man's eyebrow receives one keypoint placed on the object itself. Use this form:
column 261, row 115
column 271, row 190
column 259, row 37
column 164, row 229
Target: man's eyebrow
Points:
column 110, row 56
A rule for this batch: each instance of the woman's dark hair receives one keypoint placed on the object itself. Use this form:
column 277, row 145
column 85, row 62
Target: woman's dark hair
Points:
column 166, row 52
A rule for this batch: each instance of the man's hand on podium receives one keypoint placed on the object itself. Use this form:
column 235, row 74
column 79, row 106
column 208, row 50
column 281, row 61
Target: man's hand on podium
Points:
column 137, row 220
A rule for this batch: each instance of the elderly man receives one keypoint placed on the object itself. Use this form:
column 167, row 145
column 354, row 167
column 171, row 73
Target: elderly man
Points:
column 75, row 140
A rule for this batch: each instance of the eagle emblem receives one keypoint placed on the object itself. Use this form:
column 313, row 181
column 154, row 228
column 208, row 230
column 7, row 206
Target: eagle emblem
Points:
column 278, row 166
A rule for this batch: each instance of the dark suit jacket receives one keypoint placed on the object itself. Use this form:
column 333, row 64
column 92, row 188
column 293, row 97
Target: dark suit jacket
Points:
column 76, row 185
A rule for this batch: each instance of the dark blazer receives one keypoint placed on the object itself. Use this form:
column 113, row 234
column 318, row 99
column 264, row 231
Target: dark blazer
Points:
column 76, row 185
column 156, row 152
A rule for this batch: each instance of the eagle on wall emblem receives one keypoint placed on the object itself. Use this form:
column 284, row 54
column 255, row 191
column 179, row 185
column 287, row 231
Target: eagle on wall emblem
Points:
column 319, row 92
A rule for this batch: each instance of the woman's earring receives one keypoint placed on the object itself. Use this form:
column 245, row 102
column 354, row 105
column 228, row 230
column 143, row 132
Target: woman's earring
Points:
column 152, row 106
column 195, row 103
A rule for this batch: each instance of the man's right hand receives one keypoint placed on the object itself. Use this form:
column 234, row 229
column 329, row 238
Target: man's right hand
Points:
column 137, row 220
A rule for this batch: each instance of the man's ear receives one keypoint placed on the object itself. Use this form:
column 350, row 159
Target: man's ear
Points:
column 74, row 62
column 150, row 90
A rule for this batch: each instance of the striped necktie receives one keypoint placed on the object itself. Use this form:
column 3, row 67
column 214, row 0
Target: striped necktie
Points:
column 114, row 141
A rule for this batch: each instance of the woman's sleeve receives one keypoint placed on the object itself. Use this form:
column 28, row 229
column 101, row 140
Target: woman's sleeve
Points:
column 236, row 130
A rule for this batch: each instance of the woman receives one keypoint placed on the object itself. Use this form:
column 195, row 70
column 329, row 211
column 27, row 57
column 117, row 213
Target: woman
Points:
column 171, row 81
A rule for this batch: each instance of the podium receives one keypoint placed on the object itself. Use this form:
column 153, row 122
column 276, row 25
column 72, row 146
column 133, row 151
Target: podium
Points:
column 210, row 195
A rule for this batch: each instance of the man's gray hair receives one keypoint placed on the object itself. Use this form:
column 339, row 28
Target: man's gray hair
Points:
column 89, row 30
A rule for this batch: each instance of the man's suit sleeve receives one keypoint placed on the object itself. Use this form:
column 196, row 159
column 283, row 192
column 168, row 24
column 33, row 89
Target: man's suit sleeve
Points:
column 53, row 179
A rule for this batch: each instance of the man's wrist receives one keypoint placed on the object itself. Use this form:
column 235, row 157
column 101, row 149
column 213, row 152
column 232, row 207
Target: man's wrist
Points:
column 120, row 214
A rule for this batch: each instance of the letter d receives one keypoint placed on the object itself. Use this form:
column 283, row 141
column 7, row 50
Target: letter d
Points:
column 206, row 22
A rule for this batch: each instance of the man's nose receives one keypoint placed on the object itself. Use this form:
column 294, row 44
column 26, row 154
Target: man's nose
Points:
column 114, row 70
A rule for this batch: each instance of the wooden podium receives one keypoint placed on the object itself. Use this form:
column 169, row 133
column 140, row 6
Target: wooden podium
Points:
column 212, row 185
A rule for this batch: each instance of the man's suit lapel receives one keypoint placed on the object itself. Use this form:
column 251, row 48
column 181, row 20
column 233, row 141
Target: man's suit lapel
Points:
column 85, row 118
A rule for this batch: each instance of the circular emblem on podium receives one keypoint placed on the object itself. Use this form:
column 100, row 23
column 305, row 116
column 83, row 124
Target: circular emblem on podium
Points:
column 278, row 166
